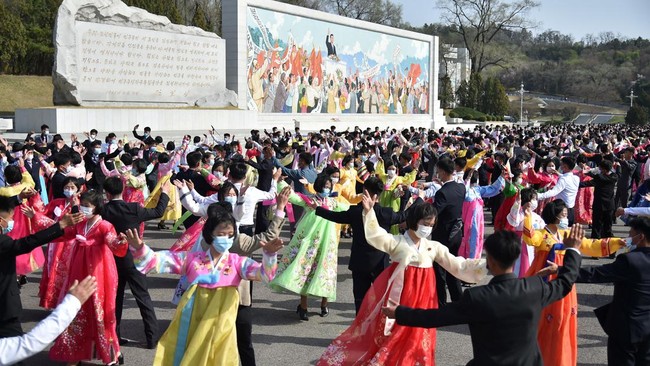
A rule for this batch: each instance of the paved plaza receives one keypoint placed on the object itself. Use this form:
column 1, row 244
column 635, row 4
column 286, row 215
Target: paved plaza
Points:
column 280, row 339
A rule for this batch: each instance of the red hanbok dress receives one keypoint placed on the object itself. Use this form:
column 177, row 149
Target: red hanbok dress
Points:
column 584, row 201
column 543, row 181
column 29, row 262
column 92, row 334
column 57, row 259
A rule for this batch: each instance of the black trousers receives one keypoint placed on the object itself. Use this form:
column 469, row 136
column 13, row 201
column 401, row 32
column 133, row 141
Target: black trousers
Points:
column 496, row 202
column 619, row 354
column 361, row 282
column 127, row 273
column 244, row 327
column 571, row 216
column 445, row 279
column 601, row 226
column 261, row 218
column 621, row 197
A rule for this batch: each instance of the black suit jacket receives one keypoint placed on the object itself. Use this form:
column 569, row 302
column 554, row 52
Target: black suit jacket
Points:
column 331, row 49
column 449, row 203
column 604, row 186
column 265, row 171
column 34, row 169
column 628, row 318
column 128, row 215
column 502, row 315
column 363, row 256
column 10, row 305
column 200, row 184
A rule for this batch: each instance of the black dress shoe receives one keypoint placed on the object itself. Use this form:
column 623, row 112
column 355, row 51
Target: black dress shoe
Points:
column 324, row 311
column 302, row 313
column 151, row 344
column 120, row 359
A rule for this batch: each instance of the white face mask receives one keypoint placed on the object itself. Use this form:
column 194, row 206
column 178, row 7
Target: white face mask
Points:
column 533, row 205
column 518, row 181
column 335, row 180
column 391, row 172
column 87, row 211
column 423, row 231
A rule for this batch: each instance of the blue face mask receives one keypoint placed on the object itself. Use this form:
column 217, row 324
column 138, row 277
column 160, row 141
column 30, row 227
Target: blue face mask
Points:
column 10, row 226
column 325, row 193
column 222, row 243
column 564, row 223
column 232, row 200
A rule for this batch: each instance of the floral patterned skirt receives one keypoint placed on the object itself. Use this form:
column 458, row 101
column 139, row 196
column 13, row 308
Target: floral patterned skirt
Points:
column 364, row 342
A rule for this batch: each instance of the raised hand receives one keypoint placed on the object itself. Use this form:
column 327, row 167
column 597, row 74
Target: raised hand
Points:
column 620, row 211
column 272, row 246
column 26, row 193
column 71, row 219
column 283, row 198
column 84, row 289
column 179, row 183
column 574, row 238
column 134, row 240
column 367, row 201
column 89, row 176
column 136, row 127
column 27, row 211
column 190, row 185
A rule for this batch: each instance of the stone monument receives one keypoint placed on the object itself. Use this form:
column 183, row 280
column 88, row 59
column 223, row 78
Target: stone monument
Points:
column 110, row 54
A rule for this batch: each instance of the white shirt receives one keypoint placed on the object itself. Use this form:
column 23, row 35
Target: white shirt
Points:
column 637, row 211
column 247, row 201
column 566, row 189
column 16, row 349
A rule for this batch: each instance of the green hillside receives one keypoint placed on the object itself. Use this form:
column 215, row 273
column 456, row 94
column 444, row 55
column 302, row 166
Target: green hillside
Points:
column 24, row 92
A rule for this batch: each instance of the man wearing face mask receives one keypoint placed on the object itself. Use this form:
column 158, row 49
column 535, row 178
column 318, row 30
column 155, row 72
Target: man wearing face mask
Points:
column 626, row 320
column 63, row 165
column 10, row 305
column 44, row 138
column 124, row 216
column 604, row 181
column 147, row 133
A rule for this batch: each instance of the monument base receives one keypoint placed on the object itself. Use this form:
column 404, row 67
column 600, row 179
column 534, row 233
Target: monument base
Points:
column 198, row 120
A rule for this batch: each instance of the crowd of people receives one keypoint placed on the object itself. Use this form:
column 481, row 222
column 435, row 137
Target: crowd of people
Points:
column 414, row 203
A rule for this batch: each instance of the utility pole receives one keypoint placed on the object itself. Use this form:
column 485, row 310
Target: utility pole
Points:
column 521, row 102
column 632, row 96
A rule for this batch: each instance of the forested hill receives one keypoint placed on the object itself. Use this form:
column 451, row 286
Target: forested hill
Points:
column 595, row 69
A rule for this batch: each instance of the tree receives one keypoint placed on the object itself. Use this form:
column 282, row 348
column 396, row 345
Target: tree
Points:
column 636, row 115
column 474, row 91
column 446, row 92
column 199, row 18
column 376, row 11
column 13, row 38
column 495, row 100
column 480, row 21
column 462, row 94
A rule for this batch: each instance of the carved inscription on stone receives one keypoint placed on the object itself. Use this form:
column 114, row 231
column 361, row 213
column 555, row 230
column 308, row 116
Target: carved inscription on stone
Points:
column 122, row 64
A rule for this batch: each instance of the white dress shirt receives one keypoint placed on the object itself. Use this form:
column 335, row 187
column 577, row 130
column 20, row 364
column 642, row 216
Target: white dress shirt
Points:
column 566, row 189
column 16, row 349
column 247, row 201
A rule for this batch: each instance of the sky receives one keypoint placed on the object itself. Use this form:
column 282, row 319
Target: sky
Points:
column 575, row 17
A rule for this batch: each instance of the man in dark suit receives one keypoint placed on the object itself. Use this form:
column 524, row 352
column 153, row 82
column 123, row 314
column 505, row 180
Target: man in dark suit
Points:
column 604, row 183
column 200, row 183
column 448, row 202
column 366, row 262
column 627, row 318
column 63, row 164
column 264, row 169
column 502, row 315
column 123, row 216
column 329, row 42
column 625, row 168
column 10, row 305
column 33, row 166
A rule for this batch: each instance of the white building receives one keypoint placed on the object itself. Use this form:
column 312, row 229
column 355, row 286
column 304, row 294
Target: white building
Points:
column 455, row 63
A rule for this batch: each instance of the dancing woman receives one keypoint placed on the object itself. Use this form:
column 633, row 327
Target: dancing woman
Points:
column 373, row 339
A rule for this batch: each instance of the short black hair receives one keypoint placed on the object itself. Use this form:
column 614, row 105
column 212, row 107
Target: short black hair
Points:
column 44, row 127
column 61, row 159
column 94, row 198
column 446, row 165
column 140, row 165
column 13, row 174
column 569, row 162
column 373, row 185
column 126, row 158
column 605, row 165
column 504, row 247
column 217, row 214
column 73, row 180
column 113, row 186
column 641, row 225
column 306, row 157
column 238, row 170
column 552, row 210
column 194, row 158
column 224, row 189
column 527, row 195
column 147, row 129
column 319, row 183
column 7, row 204
column 419, row 212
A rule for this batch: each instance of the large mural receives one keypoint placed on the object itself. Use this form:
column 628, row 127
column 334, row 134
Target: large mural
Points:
column 303, row 65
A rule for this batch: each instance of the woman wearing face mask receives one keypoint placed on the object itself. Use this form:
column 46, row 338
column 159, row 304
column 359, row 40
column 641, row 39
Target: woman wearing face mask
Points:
column 410, row 281
column 557, row 333
column 392, row 195
column 514, row 185
column 309, row 263
column 544, row 180
column 205, row 317
column 348, row 177
column 166, row 165
column 92, row 334
column 525, row 205
column 57, row 260
column 585, row 197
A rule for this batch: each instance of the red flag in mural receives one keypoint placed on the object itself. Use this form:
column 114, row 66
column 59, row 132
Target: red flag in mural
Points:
column 260, row 58
column 318, row 66
column 414, row 73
